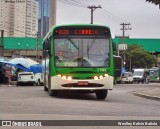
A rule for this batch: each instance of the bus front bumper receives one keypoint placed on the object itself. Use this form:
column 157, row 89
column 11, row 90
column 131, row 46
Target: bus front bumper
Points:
column 58, row 83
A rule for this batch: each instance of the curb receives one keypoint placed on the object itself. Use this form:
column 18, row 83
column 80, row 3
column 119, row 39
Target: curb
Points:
column 147, row 96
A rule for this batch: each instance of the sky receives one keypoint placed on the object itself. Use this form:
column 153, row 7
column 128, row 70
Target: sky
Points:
column 144, row 17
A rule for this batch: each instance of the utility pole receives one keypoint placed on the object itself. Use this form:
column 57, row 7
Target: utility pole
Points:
column 37, row 46
column 124, row 28
column 42, row 17
column 1, row 44
column 92, row 8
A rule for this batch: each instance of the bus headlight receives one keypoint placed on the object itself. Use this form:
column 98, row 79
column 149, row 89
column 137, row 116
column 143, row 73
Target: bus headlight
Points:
column 69, row 78
column 64, row 77
column 157, row 78
column 106, row 75
column 59, row 75
column 100, row 77
column 95, row 78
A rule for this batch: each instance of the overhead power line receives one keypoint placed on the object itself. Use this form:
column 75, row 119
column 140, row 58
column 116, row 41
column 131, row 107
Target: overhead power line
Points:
column 112, row 15
column 74, row 3
column 108, row 17
column 79, row 3
column 103, row 12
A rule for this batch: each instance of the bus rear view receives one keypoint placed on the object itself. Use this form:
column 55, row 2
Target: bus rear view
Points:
column 78, row 57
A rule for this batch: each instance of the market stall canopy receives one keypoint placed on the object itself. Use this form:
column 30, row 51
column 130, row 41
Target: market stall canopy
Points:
column 25, row 64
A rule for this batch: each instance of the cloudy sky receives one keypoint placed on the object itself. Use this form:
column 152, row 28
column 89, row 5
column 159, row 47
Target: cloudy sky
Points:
column 143, row 16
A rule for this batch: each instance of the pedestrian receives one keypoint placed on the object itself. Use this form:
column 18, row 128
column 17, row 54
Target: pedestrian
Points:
column 1, row 79
column 8, row 73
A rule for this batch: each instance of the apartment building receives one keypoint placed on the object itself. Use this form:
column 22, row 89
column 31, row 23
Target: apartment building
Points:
column 19, row 18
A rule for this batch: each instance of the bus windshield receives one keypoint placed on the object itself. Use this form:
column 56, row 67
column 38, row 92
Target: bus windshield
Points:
column 82, row 51
column 154, row 73
column 138, row 73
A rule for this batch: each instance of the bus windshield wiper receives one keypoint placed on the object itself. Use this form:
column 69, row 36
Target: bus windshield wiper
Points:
column 72, row 42
column 89, row 47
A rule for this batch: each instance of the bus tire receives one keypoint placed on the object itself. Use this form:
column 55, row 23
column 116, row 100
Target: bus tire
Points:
column 52, row 93
column 101, row 94
column 45, row 88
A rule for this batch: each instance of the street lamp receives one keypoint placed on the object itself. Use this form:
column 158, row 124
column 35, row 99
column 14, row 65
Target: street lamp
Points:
column 19, row 48
column 130, row 61
column 27, row 49
column 27, row 46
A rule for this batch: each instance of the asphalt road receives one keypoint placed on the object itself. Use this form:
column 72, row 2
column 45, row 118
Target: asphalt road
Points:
column 33, row 103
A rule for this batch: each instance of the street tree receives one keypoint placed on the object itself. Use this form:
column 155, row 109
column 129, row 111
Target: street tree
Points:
column 156, row 2
column 136, row 57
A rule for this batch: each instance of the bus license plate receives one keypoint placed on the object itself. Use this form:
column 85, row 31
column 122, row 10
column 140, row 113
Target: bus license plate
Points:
column 83, row 83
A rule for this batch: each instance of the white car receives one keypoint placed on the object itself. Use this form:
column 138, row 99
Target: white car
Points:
column 127, row 77
column 141, row 75
column 29, row 78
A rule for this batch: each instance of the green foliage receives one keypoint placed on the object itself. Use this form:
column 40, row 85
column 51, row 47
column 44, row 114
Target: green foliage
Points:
column 156, row 2
column 138, row 57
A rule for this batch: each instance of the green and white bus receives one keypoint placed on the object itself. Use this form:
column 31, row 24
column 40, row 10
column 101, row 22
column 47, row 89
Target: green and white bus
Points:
column 154, row 74
column 78, row 58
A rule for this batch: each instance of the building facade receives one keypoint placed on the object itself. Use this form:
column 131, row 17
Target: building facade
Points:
column 19, row 18
column 46, row 15
column 53, row 8
column 43, row 17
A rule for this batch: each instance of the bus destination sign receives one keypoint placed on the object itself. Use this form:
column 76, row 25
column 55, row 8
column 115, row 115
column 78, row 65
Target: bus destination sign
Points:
column 80, row 32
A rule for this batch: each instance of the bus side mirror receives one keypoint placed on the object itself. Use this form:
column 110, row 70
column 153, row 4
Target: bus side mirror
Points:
column 117, row 66
column 47, row 47
column 114, row 46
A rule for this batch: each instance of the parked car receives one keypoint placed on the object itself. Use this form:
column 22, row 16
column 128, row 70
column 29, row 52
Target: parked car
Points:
column 127, row 77
column 29, row 78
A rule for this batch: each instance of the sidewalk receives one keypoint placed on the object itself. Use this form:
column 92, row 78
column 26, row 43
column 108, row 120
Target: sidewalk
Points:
column 149, row 94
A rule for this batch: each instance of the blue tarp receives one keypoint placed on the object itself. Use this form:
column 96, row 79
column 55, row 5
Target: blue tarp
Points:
column 123, row 70
column 36, row 68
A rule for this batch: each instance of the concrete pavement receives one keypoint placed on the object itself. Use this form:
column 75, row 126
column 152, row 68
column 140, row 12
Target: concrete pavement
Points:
column 149, row 93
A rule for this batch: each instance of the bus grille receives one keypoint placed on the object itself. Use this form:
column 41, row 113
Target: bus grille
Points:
column 90, row 85
column 84, row 78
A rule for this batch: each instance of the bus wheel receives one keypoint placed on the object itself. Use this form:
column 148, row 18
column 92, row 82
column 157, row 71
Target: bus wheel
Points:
column 101, row 94
column 52, row 93
column 45, row 88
